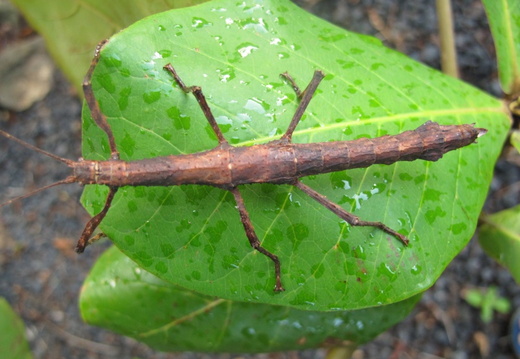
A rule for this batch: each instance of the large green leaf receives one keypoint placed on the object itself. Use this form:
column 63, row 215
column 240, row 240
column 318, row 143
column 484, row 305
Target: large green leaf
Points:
column 192, row 235
column 504, row 20
column 74, row 28
column 120, row 296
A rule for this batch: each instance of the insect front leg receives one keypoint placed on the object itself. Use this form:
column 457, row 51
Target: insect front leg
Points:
column 305, row 98
column 346, row 216
column 197, row 92
column 253, row 238
column 101, row 120
column 95, row 221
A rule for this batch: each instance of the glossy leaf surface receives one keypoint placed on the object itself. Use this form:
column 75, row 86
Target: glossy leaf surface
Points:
column 192, row 236
column 169, row 318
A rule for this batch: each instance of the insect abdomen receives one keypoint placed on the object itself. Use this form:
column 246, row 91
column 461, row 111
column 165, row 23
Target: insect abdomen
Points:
column 428, row 142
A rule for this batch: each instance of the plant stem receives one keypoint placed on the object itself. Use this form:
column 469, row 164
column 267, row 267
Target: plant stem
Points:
column 447, row 38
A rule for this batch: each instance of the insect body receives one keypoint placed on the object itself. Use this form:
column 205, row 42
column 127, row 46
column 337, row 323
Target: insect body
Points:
column 278, row 162
column 227, row 167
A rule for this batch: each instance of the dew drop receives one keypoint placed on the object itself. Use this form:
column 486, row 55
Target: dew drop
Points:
column 137, row 272
column 255, row 105
column 199, row 23
column 416, row 269
column 246, row 49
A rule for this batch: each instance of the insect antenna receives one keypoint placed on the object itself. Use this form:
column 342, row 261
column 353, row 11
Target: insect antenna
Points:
column 70, row 163
column 34, row 148
column 69, row 179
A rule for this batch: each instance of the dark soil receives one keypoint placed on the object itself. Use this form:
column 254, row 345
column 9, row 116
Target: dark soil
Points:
column 42, row 276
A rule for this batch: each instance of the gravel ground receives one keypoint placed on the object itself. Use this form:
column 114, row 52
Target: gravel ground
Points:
column 41, row 276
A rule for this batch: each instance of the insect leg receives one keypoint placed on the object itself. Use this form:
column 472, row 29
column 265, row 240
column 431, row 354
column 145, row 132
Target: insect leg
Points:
column 253, row 239
column 93, row 105
column 305, row 98
column 346, row 216
column 197, row 92
column 94, row 222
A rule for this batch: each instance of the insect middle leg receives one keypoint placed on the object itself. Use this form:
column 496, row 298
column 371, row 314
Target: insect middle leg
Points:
column 244, row 215
column 305, row 98
column 253, row 238
column 201, row 99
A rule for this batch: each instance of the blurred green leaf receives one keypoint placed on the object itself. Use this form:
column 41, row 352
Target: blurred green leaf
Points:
column 13, row 344
column 504, row 20
column 515, row 139
column 474, row 297
column 192, row 236
column 499, row 236
column 72, row 29
column 124, row 298
column 488, row 300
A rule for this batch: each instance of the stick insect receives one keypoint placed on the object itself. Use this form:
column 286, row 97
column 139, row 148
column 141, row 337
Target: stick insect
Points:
column 279, row 162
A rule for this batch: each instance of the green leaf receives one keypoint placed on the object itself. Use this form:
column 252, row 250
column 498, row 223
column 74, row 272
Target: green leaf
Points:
column 474, row 297
column 502, row 305
column 504, row 20
column 499, row 236
column 13, row 344
column 122, row 297
column 488, row 300
column 72, row 29
column 192, row 235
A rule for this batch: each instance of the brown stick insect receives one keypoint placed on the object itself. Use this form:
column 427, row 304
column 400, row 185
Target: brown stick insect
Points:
column 277, row 162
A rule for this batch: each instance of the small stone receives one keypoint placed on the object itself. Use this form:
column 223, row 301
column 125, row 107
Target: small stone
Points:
column 26, row 74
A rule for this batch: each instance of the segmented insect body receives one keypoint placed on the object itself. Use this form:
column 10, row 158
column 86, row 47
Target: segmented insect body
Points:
column 278, row 162
column 227, row 166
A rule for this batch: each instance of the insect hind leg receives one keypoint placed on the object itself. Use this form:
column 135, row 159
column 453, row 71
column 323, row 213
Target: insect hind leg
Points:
column 201, row 99
column 346, row 216
column 253, row 238
column 305, row 97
